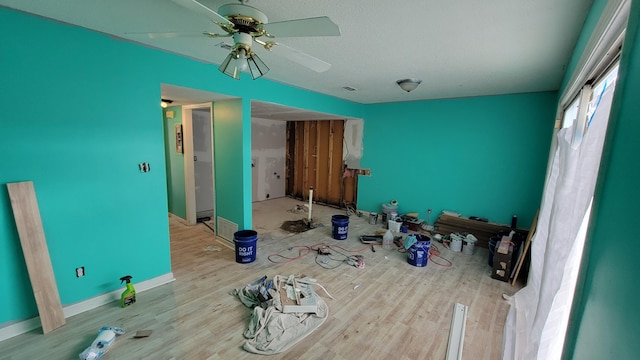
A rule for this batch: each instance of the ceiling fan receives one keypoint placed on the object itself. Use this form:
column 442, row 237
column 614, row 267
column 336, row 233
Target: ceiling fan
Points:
column 247, row 25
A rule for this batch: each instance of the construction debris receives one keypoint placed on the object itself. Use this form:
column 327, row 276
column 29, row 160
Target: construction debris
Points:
column 299, row 209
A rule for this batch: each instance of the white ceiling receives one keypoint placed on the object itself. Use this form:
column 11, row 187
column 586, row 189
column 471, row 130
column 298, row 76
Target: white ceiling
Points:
column 459, row 48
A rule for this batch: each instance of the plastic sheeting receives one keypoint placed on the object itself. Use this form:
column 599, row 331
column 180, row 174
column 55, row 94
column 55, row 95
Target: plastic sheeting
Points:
column 537, row 318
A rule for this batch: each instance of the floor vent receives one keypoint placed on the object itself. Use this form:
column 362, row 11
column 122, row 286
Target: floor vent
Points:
column 226, row 228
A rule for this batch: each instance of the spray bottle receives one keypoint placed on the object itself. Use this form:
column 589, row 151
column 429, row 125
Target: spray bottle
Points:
column 129, row 295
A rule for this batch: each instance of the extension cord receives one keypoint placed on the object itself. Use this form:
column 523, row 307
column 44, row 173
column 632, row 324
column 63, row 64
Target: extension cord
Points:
column 323, row 251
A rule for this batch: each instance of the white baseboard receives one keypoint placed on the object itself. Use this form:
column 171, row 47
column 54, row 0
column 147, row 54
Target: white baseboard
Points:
column 24, row 326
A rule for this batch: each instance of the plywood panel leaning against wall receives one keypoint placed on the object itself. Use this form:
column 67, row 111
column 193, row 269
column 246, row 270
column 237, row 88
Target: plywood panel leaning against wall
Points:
column 36, row 254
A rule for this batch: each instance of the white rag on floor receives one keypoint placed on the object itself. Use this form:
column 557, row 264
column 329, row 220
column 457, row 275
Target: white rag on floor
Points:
column 271, row 331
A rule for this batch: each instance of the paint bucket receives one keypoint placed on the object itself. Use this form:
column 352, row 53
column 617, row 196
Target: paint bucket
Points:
column 373, row 218
column 418, row 253
column 245, row 241
column 456, row 243
column 469, row 244
column 387, row 209
column 493, row 242
column 394, row 225
column 340, row 225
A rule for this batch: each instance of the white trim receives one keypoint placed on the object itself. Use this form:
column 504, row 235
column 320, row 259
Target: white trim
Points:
column 189, row 176
column 189, row 179
column 24, row 326
column 581, row 118
column 606, row 36
column 456, row 332
column 213, row 166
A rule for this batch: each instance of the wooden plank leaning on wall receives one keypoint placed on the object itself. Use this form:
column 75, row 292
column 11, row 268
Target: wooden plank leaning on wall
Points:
column 36, row 254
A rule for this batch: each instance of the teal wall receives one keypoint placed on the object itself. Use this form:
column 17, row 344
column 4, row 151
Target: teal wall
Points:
column 85, row 112
column 228, row 154
column 175, row 164
column 605, row 320
column 79, row 134
column 100, row 212
column 482, row 156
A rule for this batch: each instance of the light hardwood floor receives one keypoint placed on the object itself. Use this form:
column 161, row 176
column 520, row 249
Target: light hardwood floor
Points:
column 388, row 310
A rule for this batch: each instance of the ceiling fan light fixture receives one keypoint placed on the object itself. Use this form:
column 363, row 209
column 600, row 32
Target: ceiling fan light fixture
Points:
column 408, row 85
column 238, row 61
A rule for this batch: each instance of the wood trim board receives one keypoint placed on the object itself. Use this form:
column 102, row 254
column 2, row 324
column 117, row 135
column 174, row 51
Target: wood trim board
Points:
column 527, row 244
column 36, row 254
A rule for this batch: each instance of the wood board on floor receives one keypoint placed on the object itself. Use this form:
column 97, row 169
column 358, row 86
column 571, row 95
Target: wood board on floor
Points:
column 36, row 254
column 483, row 231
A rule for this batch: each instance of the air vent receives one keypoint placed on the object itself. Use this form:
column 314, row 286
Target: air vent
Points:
column 226, row 229
column 349, row 88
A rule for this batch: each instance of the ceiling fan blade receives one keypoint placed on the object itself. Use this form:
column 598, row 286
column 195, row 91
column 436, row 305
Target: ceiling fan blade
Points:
column 166, row 35
column 300, row 57
column 193, row 5
column 318, row 26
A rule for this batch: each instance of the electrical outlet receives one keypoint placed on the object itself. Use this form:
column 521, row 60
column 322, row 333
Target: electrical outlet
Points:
column 144, row 167
column 80, row 271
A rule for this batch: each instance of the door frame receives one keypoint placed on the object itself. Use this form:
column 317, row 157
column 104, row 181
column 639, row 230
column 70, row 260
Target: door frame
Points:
column 189, row 176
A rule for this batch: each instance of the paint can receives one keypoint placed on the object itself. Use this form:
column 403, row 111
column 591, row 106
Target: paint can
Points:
column 245, row 242
column 387, row 209
column 418, row 253
column 340, row 226
column 373, row 218
column 493, row 242
column 469, row 244
column 456, row 243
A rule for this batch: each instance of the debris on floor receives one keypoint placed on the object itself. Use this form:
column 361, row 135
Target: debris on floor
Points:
column 142, row 334
column 100, row 346
column 271, row 330
column 299, row 209
column 212, row 248
column 297, row 226
column 352, row 209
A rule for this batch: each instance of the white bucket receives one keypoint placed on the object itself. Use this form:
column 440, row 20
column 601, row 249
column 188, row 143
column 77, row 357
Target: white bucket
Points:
column 469, row 244
column 395, row 225
column 456, row 243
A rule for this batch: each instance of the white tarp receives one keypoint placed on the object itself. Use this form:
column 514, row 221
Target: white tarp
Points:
column 535, row 320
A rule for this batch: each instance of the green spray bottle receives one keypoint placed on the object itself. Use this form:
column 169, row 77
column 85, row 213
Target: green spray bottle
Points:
column 129, row 295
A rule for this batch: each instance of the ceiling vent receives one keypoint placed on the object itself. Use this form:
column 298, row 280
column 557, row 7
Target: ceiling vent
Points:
column 349, row 88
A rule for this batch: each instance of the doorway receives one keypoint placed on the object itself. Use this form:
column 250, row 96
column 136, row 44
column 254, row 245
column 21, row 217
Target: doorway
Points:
column 199, row 162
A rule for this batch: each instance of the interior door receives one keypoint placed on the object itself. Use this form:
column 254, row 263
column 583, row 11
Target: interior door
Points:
column 203, row 162
column 198, row 165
